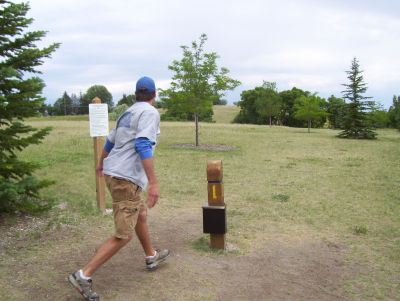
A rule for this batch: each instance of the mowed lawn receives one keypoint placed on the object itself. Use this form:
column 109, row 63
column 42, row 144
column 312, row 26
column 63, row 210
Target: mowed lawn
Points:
column 298, row 184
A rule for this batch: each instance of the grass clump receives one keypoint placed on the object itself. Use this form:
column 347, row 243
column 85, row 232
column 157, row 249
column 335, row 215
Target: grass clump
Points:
column 360, row 230
column 202, row 244
column 283, row 198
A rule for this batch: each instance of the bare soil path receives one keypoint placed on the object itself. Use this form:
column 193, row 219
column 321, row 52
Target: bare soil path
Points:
column 278, row 268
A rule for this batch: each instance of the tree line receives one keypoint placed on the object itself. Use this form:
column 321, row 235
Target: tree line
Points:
column 198, row 84
column 301, row 108
column 79, row 105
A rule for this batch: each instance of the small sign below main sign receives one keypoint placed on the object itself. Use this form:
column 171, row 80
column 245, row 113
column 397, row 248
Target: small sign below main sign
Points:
column 98, row 119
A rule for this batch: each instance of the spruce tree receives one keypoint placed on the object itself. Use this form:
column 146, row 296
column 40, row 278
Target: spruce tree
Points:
column 355, row 121
column 20, row 97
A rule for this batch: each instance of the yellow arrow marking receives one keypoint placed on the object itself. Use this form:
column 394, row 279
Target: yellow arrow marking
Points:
column 214, row 192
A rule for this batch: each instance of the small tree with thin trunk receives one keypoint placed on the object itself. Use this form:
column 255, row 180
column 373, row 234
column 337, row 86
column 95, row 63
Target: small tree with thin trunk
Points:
column 309, row 108
column 197, row 83
column 355, row 122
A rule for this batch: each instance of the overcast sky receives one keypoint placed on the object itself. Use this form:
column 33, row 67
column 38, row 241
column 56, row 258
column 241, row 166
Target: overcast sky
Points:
column 305, row 43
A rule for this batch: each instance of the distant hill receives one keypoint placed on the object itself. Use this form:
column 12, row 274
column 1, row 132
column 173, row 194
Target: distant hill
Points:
column 225, row 114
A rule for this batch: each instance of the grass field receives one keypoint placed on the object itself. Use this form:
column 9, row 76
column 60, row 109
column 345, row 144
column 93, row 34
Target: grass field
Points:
column 281, row 185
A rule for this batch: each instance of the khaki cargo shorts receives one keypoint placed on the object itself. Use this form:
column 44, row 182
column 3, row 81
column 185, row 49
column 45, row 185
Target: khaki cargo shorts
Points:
column 127, row 205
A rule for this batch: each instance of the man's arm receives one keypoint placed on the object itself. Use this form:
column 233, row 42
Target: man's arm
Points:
column 99, row 167
column 153, row 191
column 108, row 146
column 144, row 148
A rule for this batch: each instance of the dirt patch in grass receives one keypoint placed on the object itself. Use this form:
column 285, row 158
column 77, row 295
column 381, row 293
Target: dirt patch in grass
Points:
column 278, row 269
column 212, row 147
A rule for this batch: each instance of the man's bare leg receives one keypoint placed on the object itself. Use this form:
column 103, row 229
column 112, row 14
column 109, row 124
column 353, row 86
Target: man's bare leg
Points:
column 104, row 253
column 142, row 232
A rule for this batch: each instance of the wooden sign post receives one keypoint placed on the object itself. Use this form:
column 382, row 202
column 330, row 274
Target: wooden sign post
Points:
column 214, row 214
column 98, row 147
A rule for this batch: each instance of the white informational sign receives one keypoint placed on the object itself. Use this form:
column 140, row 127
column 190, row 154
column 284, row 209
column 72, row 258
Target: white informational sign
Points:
column 98, row 119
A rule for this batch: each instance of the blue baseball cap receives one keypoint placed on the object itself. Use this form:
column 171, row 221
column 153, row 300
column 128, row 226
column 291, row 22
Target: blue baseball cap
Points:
column 145, row 83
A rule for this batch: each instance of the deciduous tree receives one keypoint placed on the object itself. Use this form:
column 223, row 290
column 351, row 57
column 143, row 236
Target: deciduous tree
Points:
column 288, row 98
column 394, row 113
column 336, row 109
column 250, row 114
column 309, row 108
column 96, row 91
column 268, row 102
column 196, row 84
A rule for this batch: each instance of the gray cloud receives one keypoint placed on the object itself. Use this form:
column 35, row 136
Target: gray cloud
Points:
column 308, row 44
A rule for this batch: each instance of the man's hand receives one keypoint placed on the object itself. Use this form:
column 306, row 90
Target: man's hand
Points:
column 99, row 167
column 153, row 194
column 99, row 170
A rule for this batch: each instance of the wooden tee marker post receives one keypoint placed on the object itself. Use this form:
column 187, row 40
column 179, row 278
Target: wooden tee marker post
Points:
column 214, row 214
column 98, row 147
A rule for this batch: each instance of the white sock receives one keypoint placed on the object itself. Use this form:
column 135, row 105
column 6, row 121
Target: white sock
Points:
column 83, row 276
column 151, row 257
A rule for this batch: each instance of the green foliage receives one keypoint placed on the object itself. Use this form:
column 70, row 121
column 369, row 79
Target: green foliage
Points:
column 336, row 109
column 268, row 102
column 360, row 230
column 96, row 91
column 281, row 197
column 309, row 108
column 288, row 99
column 355, row 122
column 258, row 104
column 127, row 100
column 379, row 119
column 118, row 111
column 221, row 102
column 196, row 84
column 394, row 113
column 248, row 111
column 20, row 97
column 261, row 102
column 63, row 105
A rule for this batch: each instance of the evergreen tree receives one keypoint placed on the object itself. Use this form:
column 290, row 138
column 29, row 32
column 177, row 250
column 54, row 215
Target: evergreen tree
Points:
column 355, row 121
column 20, row 97
column 75, row 103
column 63, row 105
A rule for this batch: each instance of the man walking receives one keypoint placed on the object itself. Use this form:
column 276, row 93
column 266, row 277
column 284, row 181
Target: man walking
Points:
column 127, row 163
